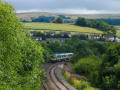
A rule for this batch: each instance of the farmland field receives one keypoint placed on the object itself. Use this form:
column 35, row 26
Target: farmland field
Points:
column 60, row 27
column 118, row 30
column 118, row 33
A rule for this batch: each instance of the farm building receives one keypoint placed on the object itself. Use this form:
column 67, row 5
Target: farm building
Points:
column 109, row 38
column 66, row 34
column 34, row 32
column 37, row 38
column 50, row 33
column 61, row 40
column 117, row 39
column 93, row 36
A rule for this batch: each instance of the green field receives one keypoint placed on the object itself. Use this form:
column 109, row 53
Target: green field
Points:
column 118, row 33
column 118, row 30
column 60, row 27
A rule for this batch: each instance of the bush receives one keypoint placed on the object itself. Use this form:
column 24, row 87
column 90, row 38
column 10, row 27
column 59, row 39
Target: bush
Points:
column 80, row 85
column 67, row 75
column 88, row 67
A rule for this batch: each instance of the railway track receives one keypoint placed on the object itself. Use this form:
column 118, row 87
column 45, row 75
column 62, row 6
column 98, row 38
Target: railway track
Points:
column 53, row 83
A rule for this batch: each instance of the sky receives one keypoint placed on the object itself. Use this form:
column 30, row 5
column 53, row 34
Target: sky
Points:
column 67, row 6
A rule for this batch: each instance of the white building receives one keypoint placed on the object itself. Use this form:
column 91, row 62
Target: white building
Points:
column 68, row 34
column 50, row 33
column 117, row 39
column 93, row 36
column 37, row 38
column 109, row 38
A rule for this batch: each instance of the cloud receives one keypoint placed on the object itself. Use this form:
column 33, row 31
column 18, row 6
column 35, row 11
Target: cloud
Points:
column 67, row 6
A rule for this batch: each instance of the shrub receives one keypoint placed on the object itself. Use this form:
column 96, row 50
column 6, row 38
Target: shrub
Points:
column 88, row 67
column 80, row 85
column 78, row 81
column 67, row 76
column 80, row 77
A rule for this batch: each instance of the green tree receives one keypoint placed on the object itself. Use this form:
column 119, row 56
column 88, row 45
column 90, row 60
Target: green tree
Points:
column 19, row 56
column 110, row 69
column 82, row 22
column 100, row 25
column 81, row 50
column 97, row 48
column 55, row 46
column 58, row 20
column 88, row 67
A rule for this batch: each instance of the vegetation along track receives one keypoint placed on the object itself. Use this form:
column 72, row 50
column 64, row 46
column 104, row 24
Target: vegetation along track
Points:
column 53, row 83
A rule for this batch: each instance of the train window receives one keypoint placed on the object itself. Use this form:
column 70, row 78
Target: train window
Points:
column 59, row 56
column 52, row 56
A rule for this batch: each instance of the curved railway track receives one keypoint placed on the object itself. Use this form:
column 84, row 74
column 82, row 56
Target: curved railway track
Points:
column 53, row 83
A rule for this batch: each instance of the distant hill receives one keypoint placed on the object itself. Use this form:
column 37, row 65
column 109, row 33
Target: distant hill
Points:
column 29, row 15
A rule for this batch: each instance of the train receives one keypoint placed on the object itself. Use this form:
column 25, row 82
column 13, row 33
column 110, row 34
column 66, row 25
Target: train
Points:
column 61, row 57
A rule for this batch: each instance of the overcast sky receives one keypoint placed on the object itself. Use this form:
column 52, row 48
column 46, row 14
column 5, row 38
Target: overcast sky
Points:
column 67, row 6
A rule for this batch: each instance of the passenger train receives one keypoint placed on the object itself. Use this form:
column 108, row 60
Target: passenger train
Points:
column 61, row 57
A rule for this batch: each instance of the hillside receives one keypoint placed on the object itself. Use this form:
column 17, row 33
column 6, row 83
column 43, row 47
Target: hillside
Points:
column 29, row 15
column 60, row 27
column 118, row 31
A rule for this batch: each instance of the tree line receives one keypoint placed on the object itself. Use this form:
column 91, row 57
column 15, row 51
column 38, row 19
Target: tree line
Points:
column 57, row 19
column 110, row 21
column 100, row 25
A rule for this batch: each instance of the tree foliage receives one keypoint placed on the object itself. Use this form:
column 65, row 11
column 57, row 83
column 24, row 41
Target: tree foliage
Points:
column 19, row 56
column 89, row 67
column 78, row 47
column 110, row 69
column 58, row 20
column 43, row 19
column 101, row 25
column 111, row 21
column 82, row 22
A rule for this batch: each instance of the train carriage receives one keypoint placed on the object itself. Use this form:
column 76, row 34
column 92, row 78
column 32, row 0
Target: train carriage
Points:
column 61, row 57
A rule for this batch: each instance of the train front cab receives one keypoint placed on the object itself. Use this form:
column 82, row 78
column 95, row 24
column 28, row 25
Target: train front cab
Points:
column 53, row 58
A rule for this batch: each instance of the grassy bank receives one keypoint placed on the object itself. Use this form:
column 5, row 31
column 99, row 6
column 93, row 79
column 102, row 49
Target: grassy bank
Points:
column 79, row 82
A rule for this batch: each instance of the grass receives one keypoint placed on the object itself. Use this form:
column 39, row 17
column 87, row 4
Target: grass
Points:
column 60, row 27
column 118, row 33
column 76, row 83
column 79, row 83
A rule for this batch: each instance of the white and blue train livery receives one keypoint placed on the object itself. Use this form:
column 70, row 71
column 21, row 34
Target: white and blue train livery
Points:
column 61, row 56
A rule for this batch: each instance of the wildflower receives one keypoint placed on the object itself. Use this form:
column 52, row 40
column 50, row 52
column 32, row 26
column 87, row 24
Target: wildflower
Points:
column 77, row 76
column 68, row 69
